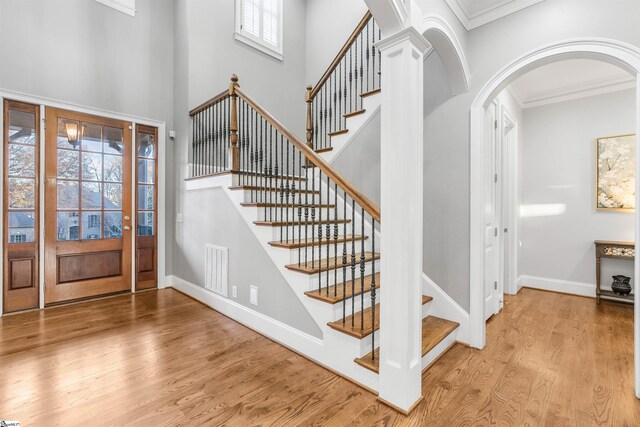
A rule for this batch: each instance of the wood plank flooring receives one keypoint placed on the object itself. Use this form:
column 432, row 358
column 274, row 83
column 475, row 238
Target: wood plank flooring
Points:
column 161, row 359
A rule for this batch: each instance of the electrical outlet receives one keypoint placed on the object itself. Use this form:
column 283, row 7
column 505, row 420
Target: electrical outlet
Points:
column 234, row 291
column 253, row 294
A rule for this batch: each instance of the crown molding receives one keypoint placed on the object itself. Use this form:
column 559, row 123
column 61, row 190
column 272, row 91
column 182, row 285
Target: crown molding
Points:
column 474, row 20
column 574, row 91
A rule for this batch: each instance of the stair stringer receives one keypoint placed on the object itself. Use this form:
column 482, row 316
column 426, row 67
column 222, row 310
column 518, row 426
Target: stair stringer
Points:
column 355, row 125
column 338, row 350
column 446, row 308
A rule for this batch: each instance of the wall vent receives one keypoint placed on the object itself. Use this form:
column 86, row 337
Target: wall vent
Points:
column 216, row 265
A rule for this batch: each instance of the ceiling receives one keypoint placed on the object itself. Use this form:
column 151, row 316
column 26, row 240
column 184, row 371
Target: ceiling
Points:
column 474, row 13
column 569, row 79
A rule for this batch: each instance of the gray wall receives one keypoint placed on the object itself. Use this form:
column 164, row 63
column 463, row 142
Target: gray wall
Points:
column 212, row 218
column 324, row 41
column 359, row 162
column 206, row 56
column 559, row 167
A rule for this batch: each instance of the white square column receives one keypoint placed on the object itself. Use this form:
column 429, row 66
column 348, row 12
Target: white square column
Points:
column 402, row 142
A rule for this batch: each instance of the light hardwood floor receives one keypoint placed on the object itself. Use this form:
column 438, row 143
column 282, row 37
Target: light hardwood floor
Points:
column 161, row 359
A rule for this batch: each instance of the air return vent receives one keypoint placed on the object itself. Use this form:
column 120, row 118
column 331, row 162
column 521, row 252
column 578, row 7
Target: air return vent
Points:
column 216, row 265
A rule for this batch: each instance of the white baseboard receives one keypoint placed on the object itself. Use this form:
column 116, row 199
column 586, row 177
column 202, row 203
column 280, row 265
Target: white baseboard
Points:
column 277, row 331
column 445, row 307
column 557, row 285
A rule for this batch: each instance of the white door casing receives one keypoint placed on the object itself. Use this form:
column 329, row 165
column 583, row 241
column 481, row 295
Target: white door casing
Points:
column 492, row 214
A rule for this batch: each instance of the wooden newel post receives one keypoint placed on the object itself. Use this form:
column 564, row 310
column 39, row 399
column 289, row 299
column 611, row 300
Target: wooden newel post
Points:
column 235, row 153
column 309, row 121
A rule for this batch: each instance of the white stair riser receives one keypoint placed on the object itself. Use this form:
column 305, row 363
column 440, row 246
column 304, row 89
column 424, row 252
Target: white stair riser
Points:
column 439, row 349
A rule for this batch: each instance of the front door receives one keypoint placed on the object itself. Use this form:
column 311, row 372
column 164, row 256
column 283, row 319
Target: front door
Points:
column 88, row 236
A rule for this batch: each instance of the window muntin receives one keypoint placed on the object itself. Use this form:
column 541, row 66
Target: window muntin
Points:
column 259, row 24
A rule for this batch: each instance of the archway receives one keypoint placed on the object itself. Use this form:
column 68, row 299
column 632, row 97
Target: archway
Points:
column 612, row 51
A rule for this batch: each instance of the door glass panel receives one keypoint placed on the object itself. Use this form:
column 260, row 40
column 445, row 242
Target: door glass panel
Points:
column 91, row 195
column 21, row 193
column 112, row 196
column 22, row 227
column 145, row 171
column 68, row 226
column 68, row 164
column 91, row 137
column 92, row 166
column 68, row 134
column 146, row 146
column 145, row 197
column 112, row 225
column 90, row 173
column 91, row 225
column 22, row 160
column 145, row 224
column 113, row 140
column 113, row 168
column 22, row 129
column 68, row 194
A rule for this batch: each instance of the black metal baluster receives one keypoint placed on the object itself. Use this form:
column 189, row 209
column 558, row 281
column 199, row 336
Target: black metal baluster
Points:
column 355, row 79
column 292, row 204
column 353, row 261
column 368, row 55
column 299, row 206
column 373, row 289
column 328, row 230
column 313, row 217
column 270, row 169
column 282, row 190
column 320, row 228
column 287, row 187
column 361, row 70
column 335, row 237
column 362, row 269
column 344, row 257
column 306, row 216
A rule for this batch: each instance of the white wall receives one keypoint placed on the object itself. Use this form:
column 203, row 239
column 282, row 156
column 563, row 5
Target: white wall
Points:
column 488, row 49
column 558, row 167
column 329, row 25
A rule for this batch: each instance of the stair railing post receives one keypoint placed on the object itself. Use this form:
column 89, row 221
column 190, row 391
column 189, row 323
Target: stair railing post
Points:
column 309, row 100
column 235, row 153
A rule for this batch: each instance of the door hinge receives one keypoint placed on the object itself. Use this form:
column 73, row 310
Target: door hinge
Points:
column 495, row 177
column 506, row 230
column 495, row 285
column 44, row 123
column 495, row 124
column 495, row 232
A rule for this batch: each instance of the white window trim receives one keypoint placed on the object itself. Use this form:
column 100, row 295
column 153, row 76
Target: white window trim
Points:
column 121, row 7
column 256, row 42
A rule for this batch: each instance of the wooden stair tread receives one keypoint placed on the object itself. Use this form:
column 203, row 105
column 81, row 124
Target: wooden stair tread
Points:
column 324, row 150
column 249, row 187
column 358, row 319
column 296, row 223
column 354, row 113
column 370, row 93
column 434, row 330
column 338, row 290
column 330, row 263
column 301, row 243
column 357, row 331
column 284, row 205
column 338, row 132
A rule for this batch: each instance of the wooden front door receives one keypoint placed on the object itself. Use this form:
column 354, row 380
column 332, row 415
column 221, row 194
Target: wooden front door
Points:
column 87, row 206
column 21, row 159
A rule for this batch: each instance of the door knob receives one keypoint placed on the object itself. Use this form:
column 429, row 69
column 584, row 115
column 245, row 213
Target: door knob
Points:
column 126, row 218
column 126, row 227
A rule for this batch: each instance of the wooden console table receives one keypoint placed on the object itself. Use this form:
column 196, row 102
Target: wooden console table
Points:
column 616, row 250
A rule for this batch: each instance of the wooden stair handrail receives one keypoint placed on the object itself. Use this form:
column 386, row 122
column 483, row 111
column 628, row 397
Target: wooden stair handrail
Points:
column 340, row 55
column 311, row 156
column 219, row 97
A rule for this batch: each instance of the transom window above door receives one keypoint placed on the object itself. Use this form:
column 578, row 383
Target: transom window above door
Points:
column 89, row 181
column 259, row 24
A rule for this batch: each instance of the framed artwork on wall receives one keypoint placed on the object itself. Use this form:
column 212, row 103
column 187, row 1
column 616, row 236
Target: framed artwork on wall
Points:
column 616, row 173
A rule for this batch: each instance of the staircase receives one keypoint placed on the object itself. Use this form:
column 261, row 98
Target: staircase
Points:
column 317, row 228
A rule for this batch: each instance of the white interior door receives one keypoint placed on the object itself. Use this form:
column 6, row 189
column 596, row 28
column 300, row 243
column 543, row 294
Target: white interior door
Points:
column 509, row 201
column 492, row 216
